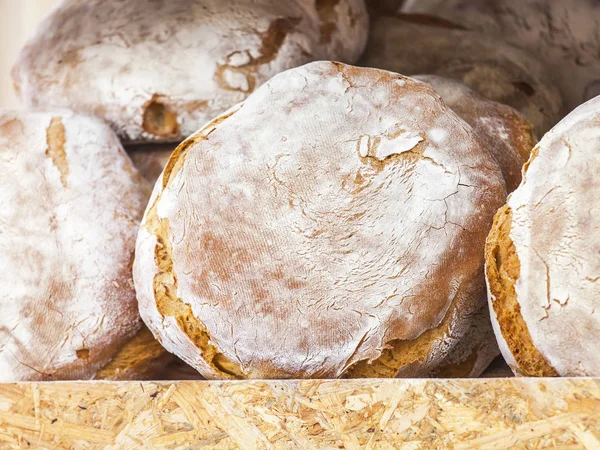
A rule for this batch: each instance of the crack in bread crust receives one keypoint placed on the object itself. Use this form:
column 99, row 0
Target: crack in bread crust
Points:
column 167, row 301
column 502, row 270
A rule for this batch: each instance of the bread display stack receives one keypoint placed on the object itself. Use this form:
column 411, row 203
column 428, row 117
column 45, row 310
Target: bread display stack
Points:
column 310, row 218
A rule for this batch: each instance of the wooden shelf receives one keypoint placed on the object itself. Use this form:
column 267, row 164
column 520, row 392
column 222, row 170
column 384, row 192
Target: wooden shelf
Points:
column 493, row 413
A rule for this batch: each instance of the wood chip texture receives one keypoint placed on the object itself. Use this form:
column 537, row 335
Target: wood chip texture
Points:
column 489, row 414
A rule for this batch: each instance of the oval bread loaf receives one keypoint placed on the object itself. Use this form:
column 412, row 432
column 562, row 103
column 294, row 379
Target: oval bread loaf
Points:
column 542, row 260
column 158, row 70
column 419, row 44
column 71, row 205
column 563, row 34
column 502, row 129
column 349, row 205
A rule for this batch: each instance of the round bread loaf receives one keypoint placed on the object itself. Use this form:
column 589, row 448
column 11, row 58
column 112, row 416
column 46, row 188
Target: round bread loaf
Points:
column 71, row 204
column 502, row 129
column 542, row 259
column 331, row 225
column 416, row 44
column 150, row 159
column 563, row 34
column 158, row 70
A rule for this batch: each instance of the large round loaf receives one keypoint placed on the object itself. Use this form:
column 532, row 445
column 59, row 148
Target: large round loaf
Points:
column 158, row 70
column 502, row 129
column 331, row 225
column 419, row 44
column 543, row 255
column 563, row 34
column 71, row 202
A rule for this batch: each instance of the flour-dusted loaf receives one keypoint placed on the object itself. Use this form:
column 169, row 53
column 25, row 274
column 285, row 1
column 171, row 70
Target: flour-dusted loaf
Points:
column 159, row 70
column 331, row 225
column 503, row 130
column 563, row 34
column 543, row 255
column 150, row 159
column 71, row 201
column 420, row 44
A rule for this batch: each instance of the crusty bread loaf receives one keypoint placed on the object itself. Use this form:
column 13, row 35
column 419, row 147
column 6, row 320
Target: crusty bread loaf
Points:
column 158, row 71
column 331, row 225
column 502, row 129
column 542, row 261
column 419, row 44
column 563, row 34
column 71, row 202
column 150, row 159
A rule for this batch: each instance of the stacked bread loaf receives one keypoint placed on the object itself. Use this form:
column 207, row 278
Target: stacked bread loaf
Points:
column 319, row 219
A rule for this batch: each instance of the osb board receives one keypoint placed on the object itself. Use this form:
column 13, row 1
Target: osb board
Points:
column 336, row 414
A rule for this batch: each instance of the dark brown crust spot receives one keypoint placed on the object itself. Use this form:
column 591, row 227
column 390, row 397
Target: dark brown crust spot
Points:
column 524, row 87
column 83, row 353
column 159, row 120
column 55, row 140
column 503, row 268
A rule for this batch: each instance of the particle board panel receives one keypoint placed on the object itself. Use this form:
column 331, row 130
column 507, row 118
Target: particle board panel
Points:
column 493, row 413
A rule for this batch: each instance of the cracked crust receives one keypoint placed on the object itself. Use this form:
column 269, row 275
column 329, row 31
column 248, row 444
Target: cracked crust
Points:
column 564, row 35
column 71, row 204
column 502, row 129
column 542, row 255
column 503, row 269
column 357, row 218
column 157, row 71
column 420, row 44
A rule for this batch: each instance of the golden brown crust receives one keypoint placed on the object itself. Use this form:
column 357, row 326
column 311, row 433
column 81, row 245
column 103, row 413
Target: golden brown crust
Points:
column 502, row 270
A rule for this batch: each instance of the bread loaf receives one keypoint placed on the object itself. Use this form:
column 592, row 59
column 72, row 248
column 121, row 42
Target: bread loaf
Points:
column 419, row 44
column 159, row 70
column 542, row 261
column 71, row 205
column 331, row 225
column 502, row 129
column 563, row 34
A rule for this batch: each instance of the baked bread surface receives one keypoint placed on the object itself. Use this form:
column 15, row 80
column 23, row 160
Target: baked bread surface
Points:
column 71, row 202
column 331, row 225
column 542, row 255
column 159, row 70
